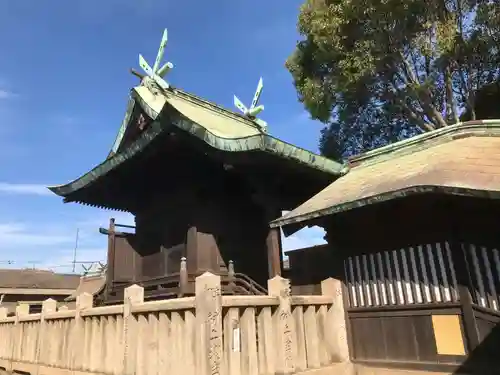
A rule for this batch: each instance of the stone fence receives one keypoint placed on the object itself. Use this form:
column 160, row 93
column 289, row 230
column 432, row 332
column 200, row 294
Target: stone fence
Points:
column 208, row 334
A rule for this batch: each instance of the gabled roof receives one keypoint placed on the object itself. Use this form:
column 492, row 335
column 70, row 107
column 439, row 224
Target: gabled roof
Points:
column 460, row 159
column 221, row 129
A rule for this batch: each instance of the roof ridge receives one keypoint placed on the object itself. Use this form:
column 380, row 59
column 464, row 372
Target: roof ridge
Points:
column 407, row 145
column 207, row 103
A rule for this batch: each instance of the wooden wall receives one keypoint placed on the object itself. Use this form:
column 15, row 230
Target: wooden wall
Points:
column 421, row 281
column 209, row 226
column 400, row 297
column 307, row 267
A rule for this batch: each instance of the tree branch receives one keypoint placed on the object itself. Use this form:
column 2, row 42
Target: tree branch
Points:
column 451, row 109
column 411, row 113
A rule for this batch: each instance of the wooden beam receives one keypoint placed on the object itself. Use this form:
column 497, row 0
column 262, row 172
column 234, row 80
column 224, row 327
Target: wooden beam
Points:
column 137, row 74
column 273, row 252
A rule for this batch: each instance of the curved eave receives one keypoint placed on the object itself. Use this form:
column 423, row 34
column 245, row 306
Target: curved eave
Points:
column 293, row 224
column 260, row 142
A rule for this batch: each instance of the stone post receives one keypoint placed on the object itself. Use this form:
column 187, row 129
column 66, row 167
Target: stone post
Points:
column 283, row 325
column 133, row 295
column 4, row 312
column 77, row 339
column 336, row 333
column 48, row 306
column 208, row 325
column 21, row 310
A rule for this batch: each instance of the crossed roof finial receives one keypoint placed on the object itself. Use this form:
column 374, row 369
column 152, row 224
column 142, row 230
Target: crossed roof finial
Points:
column 254, row 109
column 156, row 73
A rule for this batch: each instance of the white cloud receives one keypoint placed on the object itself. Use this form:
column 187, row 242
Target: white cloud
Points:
column 15, row 235
column 306, row 237
column 49, row 246
column 5, row 94
column 30, row 189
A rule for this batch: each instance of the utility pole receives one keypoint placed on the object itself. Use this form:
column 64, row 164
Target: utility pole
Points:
column 76, row 248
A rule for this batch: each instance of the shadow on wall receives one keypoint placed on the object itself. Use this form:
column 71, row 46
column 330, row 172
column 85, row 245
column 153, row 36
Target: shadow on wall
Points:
column 485, row 358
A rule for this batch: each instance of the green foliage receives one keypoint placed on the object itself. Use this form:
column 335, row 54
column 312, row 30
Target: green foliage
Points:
column 376, row 71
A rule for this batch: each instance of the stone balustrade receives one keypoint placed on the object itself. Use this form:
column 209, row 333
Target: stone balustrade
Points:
column 208, row 334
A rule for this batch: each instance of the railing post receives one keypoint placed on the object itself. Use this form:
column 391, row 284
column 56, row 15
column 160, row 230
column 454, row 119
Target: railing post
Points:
column 21, row 310
column 231, row 276
column 283, row 324
column 208, row 305
column 77, row 347
column 183, row 277
column 4, row 313
column 133, row 295
column 335, row 325
column 48, row 306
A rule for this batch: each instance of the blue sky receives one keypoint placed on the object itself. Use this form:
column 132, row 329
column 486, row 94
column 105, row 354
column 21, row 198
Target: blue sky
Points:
column 64, row 84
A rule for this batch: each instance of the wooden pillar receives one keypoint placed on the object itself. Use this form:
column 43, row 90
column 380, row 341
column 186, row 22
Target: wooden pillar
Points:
column 273, row 252
column 110, row 272
column 192, row 249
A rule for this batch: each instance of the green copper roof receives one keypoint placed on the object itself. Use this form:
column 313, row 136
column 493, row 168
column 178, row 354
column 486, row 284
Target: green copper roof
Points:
column 219, row 128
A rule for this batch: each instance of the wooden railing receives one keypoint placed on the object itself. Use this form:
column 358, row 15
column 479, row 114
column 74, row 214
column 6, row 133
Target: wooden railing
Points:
column 182, row 283
column 207, row 334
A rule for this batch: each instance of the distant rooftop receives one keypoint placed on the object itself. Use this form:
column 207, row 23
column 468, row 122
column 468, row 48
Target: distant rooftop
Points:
column 37, row 279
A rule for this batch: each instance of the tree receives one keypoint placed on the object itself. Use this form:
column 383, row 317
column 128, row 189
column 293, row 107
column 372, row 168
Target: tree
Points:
column 376, row 71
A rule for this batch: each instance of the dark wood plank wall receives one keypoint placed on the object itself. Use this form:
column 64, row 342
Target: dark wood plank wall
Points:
column 484, row 275
column 406, row 263
column 225, row 220
column 223, row 227
column 398, row 335
column 391, row 306
column 127, row 262
column 308, row 267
